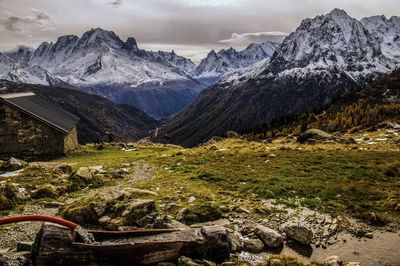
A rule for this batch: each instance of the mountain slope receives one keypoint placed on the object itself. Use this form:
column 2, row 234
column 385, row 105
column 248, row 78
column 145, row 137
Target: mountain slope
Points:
column 322, row 59
column 96, row 113
column 217, row 65
column 22, row 72
column 100, row 62
column 377, row 102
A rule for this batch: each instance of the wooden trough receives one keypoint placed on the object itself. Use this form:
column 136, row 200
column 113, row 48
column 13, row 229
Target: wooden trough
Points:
column 57, row 245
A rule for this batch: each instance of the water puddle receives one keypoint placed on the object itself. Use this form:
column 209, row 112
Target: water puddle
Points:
column 13, row 173
column 382, row 249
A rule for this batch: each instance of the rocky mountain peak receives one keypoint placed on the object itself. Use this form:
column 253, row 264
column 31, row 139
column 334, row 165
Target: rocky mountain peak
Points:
column 219, row 64
column 22, row 54
column 98, row 37
column 131, row 44
column 333, row 40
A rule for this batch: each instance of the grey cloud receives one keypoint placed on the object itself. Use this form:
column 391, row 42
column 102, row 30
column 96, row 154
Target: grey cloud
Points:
column 13, row 24
column 40, row 15
column 244, row 39
column 117, row 3
column 18, row 24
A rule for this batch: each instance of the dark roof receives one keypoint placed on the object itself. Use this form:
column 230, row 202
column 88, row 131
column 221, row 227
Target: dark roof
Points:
column 41, row 109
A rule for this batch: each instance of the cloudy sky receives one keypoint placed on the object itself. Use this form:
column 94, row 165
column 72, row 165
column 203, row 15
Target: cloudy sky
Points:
column 190, row 27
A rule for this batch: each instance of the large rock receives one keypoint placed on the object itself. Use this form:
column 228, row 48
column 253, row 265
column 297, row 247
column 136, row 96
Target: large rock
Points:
column 165, row 222
column 270, row 237
column 253, row 245
column 137, row 210
column 147, row 220
column 299, row 233
column 332, row 261
column 218, row 243
column 85, row 173
column 15, row 164
column 317, row 135
column 99, row 208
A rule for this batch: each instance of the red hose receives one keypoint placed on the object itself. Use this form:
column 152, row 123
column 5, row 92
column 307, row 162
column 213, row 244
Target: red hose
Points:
column 43, row 218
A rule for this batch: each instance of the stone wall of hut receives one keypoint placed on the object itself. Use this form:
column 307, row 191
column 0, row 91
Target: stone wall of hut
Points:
column 23, row 136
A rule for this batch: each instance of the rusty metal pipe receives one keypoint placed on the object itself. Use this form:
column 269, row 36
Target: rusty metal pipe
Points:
column 43, row 218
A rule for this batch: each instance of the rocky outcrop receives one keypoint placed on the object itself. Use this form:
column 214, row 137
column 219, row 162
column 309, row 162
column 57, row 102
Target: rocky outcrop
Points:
column 270, row 237
column 253, row 245
column 313, row 136
column 15, row 164
column 299, row 233
column 137, row 210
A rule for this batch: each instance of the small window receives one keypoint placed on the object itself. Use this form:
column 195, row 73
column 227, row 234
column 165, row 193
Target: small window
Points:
column 2, row 114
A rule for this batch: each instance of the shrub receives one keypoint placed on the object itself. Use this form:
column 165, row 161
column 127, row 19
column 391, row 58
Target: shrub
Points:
column 8, row 196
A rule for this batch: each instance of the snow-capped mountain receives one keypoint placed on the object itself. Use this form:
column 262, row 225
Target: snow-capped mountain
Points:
column 219, row 64
column 387, row 33
column 331, row 42
column 323, row 58
column 100, row 62
column 21, row 55
column 21, row 72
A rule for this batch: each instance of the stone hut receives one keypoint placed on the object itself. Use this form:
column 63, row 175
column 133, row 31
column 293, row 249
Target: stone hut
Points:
column 30, row 126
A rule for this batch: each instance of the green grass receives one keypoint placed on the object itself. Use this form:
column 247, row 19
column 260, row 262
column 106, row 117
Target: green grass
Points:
column 340, row 179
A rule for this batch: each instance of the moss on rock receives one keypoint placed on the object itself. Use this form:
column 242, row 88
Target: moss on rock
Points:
column 201, row 213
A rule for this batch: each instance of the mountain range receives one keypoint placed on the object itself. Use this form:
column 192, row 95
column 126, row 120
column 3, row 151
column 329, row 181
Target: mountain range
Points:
column 325, row 57
column 322, row 59
column 160, row 83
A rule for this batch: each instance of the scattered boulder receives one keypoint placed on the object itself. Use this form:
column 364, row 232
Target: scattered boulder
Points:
column 185, row 261
column 191, row 199
column 313, row 136
column 137, row 210
column 218, row 243
column 182, row 213
column 136, row 192
column 332, row 261
column 253, row 245
column 299, row 233
column 85, row 173
column 104, row 220
column 166, row 222
column 147, row 220
column 231, row 134
column 270, row 237
column 237, row 244
column 113, row 194
column 99, row 208
column 15, row 164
